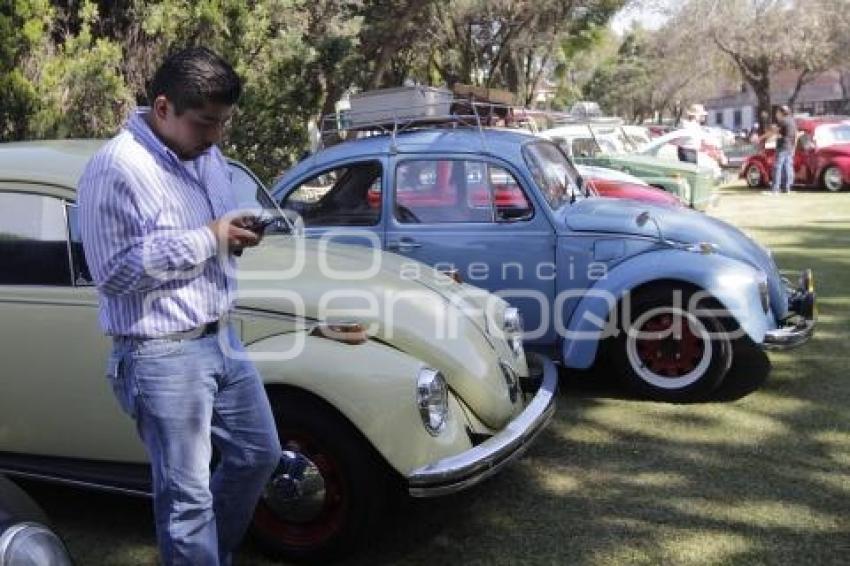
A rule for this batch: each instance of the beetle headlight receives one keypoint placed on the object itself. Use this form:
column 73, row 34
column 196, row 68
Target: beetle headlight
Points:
column 32, row 544
column 513, row 329
column 432, row 398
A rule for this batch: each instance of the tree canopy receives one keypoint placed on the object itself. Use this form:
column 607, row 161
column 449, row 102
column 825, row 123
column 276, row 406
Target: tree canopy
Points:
column 74, row 68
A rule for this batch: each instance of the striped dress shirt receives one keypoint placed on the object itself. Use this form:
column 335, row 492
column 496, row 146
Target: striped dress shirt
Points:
column 144, row 216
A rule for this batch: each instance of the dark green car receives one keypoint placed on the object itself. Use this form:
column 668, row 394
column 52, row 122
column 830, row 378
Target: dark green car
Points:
column 602, row 147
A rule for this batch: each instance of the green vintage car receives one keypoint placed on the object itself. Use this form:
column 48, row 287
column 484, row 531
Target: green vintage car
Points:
column 383, row 372
column 599, row 145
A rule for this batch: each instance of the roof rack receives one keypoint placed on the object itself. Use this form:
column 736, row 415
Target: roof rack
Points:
column 393, row 121
column 451, row 112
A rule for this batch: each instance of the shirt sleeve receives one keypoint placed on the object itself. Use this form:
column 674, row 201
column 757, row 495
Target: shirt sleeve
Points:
column 123, row 255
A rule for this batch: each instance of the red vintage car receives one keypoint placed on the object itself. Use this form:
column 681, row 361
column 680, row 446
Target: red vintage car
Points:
column 616, row 184
column 821, row 159
column 435, row 188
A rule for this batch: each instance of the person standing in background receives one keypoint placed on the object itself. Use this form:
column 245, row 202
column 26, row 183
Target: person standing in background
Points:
column 785, row 131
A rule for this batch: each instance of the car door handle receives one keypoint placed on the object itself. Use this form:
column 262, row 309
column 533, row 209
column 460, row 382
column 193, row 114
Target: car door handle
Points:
column 403, row 245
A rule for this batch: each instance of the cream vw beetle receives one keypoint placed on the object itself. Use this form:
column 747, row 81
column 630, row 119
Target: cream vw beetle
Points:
column 385, row 397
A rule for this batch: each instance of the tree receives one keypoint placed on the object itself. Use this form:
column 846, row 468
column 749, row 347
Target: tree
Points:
column 761, row 37
column 507, row 44
column 577, row 59
column 624, row 85
column 24, row 30
column 82, row 91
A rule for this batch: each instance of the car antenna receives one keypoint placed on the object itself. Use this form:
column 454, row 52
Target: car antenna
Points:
column 474, row 105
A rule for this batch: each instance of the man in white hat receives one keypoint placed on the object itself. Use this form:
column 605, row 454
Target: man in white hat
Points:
column 695, row 117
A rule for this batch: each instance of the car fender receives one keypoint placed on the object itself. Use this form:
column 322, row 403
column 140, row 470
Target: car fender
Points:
column 842, row 163
column 371, row 384
column 759, row 162
column 733, row 283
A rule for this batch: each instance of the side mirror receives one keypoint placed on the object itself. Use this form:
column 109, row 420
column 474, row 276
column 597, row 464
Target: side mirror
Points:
column 642, row 219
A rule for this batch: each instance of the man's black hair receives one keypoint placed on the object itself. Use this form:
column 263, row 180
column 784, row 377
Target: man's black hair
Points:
column 193, row 77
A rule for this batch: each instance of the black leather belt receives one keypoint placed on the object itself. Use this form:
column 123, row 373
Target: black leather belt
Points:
column 205, row 330
column 200, row 332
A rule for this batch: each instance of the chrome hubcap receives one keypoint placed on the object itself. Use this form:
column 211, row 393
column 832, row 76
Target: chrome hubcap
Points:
column 832, row 179
column 305, row 504
column 754, row 176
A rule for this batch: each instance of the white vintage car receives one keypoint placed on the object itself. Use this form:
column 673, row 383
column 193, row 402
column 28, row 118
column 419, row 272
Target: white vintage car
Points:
column 374, row 397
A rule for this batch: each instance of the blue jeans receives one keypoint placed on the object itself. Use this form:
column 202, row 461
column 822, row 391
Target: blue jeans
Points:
column 186, row 396
column 784, row 165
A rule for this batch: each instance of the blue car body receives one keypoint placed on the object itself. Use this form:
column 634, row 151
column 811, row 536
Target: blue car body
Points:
column 588, row 247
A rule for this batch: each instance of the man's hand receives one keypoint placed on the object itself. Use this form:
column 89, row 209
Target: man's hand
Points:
column 235, row 233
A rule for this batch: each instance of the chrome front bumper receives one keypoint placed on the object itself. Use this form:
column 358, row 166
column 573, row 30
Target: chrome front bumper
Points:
column 803, row 303
column 788, row 337
column 476, row 464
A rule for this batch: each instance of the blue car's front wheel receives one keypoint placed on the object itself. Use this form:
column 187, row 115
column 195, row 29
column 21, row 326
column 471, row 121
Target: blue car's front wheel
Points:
column 669, row 348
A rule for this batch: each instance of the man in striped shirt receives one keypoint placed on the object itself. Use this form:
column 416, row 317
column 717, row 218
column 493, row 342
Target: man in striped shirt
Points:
column 159, row 232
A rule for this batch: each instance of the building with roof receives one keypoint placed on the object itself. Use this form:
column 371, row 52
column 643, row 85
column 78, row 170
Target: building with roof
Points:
column 737, row 108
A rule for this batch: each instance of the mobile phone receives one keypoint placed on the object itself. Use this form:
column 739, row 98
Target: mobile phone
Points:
column 259, row 224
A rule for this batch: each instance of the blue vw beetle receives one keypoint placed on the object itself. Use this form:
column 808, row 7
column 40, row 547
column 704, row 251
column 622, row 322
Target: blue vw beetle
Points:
column 660, row 293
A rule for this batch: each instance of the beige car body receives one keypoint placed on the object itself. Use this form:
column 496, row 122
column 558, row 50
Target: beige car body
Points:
column 56, row 401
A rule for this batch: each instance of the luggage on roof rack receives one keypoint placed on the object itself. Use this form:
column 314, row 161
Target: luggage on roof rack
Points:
column 391, row 111
column 392, row 105
column 484, row 94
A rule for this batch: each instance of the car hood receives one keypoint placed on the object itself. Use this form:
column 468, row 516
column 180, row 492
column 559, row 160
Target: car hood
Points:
column 835, row 150
column 590, row 171
column 644, row 193
column 649, row 161
column 402, row 303
column 679, row 224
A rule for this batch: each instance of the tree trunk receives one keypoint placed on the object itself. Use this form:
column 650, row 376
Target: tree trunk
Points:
column 844, row 81
column 762, row 92
column 804, row 78
column 394, row 42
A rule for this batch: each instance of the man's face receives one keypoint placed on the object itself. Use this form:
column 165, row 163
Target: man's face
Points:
column 195, row 130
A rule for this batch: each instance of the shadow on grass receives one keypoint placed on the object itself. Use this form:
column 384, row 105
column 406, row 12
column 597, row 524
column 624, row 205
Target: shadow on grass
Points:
column 760, row 477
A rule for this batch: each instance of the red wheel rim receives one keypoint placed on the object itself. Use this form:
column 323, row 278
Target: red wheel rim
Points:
column 336, row 503
column 664, row 352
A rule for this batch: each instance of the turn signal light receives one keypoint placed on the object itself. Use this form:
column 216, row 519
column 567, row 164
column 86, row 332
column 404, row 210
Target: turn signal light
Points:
column 351, row 333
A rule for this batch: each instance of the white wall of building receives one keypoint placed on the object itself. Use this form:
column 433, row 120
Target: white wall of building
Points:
column 726, row 117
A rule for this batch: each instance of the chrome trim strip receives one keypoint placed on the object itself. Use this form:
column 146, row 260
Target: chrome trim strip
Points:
column 76, row 483
column 65, row 206
column 464, row 470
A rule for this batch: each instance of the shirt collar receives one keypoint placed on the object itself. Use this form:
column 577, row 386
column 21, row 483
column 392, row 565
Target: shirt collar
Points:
column 137, row 124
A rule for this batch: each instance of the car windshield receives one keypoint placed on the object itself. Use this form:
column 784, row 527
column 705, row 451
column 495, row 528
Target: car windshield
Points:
column 833, row 134
column 554, row 174
column 630, row 142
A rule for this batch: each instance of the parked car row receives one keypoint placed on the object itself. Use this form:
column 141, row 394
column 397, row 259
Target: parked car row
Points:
column 404, row 312
column 603, row 146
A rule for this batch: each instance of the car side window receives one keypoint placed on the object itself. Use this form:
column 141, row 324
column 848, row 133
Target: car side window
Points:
column 33, row 240
column 246, row 188
column 345, row 196
column 452, row 190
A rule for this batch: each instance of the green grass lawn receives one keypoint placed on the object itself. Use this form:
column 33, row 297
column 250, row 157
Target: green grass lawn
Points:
column 756, row 478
